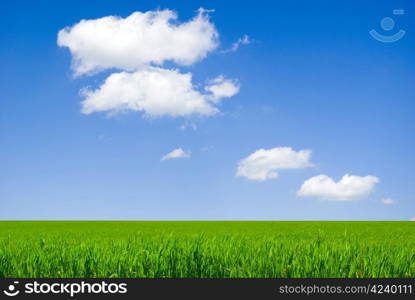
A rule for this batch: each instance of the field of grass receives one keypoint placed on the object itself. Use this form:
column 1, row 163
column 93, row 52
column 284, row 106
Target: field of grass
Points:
column 207, row 249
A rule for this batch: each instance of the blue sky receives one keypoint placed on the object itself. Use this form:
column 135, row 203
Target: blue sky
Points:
column 310, row 78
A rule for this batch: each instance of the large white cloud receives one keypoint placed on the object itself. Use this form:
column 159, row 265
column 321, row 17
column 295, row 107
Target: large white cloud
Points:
column 350, row 187
column 140, row 39
column 138, row 45
column 176, row 153
column 156, row 92
column 263, row 164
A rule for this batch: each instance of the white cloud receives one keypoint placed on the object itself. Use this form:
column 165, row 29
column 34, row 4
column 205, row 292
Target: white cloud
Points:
column 141, row 39
column 139, row 45
column 244, row 40
column 388, row 201
column 220, row 88
column 188, row 125
column 176, row 153
column 156, row 92
column 263, row 164
column 413, row 219
column 350, row 187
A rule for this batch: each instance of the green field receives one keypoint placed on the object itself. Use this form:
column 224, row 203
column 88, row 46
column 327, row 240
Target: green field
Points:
column 207, row 249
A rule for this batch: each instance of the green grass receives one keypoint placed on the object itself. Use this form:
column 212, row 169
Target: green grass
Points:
column 207, row 249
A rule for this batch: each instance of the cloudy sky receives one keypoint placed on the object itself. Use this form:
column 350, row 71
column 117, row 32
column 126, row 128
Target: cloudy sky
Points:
column 207, row 110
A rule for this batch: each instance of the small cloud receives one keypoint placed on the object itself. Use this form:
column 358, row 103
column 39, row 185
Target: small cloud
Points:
column 244, row 40
column 388, row 201
column 263, row 164
column 188, row 125
column 350, row 187
column 176, row 153
column 220, row 88
column 413, row 219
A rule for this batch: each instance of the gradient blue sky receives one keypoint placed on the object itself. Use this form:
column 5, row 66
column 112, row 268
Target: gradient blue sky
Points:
column 312, row 79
